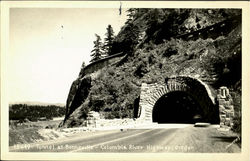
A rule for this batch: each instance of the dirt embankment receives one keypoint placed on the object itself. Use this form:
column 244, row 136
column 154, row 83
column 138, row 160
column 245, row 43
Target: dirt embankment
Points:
column 30, row 132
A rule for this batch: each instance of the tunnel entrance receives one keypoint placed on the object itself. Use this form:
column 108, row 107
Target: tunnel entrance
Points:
column 177, row 107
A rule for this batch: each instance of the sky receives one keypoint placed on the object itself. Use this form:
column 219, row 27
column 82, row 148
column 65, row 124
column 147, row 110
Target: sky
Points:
column 47, row 47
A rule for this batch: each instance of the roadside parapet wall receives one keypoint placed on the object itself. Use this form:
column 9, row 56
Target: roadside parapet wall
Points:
column 102, row 123
column 99, row 64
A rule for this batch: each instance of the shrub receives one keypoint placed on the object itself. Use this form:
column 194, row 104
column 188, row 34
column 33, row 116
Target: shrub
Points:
column 236, row 96
column 141, row 69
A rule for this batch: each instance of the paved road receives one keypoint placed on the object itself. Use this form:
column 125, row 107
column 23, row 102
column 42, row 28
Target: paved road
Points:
column 188, row 139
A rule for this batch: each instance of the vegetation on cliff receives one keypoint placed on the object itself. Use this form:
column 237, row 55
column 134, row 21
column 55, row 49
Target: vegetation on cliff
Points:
column 159, row 43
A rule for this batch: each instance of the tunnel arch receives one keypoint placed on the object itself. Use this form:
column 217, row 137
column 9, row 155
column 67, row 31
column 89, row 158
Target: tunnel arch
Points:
column 194, row 88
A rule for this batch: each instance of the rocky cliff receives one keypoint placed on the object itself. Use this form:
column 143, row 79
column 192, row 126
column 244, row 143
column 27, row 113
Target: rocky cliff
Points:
column 155, row 44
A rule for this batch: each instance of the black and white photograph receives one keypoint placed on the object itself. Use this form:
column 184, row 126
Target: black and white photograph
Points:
column 124, row 79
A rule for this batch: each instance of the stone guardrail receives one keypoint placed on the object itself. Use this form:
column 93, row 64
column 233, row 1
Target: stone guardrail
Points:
column 99, row 64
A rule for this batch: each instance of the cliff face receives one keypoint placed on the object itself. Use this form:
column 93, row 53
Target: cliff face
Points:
column 80, row 88
column 155, row 44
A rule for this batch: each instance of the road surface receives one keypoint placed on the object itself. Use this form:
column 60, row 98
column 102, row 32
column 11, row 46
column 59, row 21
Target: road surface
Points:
column 185, row 139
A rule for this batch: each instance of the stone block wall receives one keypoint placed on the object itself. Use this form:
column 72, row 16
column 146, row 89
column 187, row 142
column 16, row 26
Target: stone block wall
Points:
column 226, row 108
column 150, row 93
column 92, row 119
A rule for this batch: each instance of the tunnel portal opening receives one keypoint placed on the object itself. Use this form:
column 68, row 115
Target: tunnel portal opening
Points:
column 177, row 107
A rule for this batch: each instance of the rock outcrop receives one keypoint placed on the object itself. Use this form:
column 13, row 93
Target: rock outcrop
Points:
column 80, row 88
column 153, row 45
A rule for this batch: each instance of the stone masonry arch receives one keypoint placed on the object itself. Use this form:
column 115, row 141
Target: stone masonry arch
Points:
column 151, row 93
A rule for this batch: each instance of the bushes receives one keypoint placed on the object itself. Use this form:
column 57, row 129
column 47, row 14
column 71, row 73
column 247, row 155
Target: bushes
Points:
column 236, row 95
column 141, row 69
column 96, row 104
column 224, row 59
column 127, row 41
column 237, row 124
column 113, row 94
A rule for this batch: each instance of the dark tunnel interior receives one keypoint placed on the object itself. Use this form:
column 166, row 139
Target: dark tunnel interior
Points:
column 177, row 107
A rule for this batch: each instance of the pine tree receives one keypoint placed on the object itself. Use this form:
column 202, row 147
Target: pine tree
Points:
column 97, row 51
column 82, row 68
column 108, row 41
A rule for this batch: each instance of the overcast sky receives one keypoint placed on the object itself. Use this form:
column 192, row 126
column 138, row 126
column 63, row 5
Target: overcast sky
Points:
column 48, row 46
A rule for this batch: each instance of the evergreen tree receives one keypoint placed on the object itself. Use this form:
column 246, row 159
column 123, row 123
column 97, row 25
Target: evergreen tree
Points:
column 82, row 68
column 132, row 37
column 108, row 41
column 97, row 51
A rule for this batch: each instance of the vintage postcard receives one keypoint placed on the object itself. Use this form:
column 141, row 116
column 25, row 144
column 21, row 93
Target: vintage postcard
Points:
column 124, row 80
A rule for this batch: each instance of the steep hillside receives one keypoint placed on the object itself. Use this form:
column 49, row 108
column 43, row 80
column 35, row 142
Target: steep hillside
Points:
column 160, row 43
